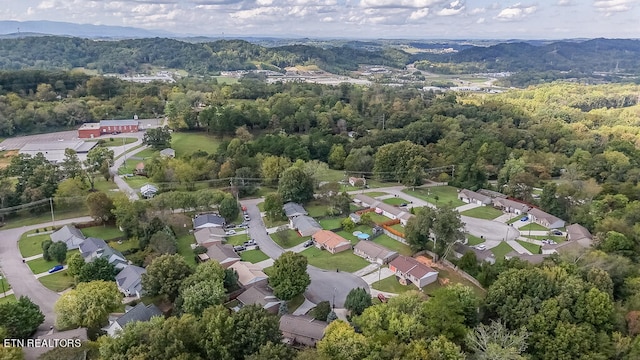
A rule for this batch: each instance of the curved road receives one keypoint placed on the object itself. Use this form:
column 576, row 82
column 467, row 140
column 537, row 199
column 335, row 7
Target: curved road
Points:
column 325, row 285
column 22, row 280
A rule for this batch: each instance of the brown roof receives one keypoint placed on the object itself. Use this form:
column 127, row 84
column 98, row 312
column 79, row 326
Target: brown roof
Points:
column 207, row 235
column 539, row 214
column 221, row 253
column 374, row 250
column 248, row 273
column 303, row 326
column 329, row 239
column 258, row 295
column 577, row 232
column 411, row 266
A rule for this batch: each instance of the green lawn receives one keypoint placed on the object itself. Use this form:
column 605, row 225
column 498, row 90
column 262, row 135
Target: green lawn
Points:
column 226, row 80
column 316, row 209
column 40, row 265
column 261, row 206
column 8, row 298
column 398, row 227
column 31, row 245
column 533, row 248
column 329, row 224
column 253, row 256
column 445, row 194
column 105, row 186
column 115, row 142
column 392, row 285
column 533, row 227
column 189, row 142
column 332, row 175
column 473, row 240
column 144, row 154
column 515, row 218
column 288, row 238
column 103, row 232
column 57, row 282
column 556, row 238
column 395, row 201
column 349, row 234
column 268, row 270
column 4, row 285
column 137, row 182
column 377, row 218
column 124, row 245
column 483, row 212
column 343, row 261
column 394, row 245
column 237, row 239
column 374, row 194
column 184, row 248
column 26, row 219
column 294, row 304
column 270, row 224
column 454, row 278
column 501, row 250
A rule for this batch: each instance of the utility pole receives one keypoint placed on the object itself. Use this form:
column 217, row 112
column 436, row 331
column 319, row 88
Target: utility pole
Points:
column 53, row 220
column 383, row 121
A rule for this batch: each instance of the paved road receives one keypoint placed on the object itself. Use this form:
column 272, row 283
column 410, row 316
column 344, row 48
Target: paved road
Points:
column 325, row 285
column 20, row 276
column 120, row 182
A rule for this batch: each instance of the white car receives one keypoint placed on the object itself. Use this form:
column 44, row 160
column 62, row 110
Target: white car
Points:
column 230, row 232
column 481, row 247
column 247, row 218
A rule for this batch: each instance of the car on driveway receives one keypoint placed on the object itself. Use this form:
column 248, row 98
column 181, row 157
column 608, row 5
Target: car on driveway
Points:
column 230, row 232
column 526, row 218
column 481, row 247
column 55, row 268
column 239, row 248
column 308, row 243
column 556, row 232
column 246, row 217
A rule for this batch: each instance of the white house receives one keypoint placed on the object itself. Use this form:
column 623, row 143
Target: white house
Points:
column 472, row 197
column 148, row 191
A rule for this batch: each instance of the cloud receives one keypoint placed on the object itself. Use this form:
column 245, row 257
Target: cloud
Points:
column 455, row 8
column 611, row 6
column 399, row 3
column 516, row 12
column 565, row 3
column 477, row 11
column 480, row 20
column 419, row 14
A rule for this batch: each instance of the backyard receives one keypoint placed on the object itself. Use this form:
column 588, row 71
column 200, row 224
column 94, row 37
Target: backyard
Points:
column 184, row 248
column 349, row 234
column 58, row 281
column 316, row 209
column 483, row 212
column 331, row 223
column 501, row 250
column 253, row 256
column 288, row 238
column 533, row 248
column 444, row 194
column 343, row 261
column 124, row 245
column 104, row 232
column 394, row 245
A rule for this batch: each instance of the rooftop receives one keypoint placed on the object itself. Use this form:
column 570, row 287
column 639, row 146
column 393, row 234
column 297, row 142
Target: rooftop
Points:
column 303, row 326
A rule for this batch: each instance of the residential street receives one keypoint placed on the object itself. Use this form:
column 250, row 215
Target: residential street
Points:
column 22, row 280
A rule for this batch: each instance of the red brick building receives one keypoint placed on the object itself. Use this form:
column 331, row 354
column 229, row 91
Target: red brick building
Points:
column 105, row 127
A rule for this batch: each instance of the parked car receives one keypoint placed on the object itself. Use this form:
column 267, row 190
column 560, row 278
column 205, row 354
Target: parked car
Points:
column 230, row 226
column 382, row 298
column 556, row 232
column 250, row 242
column 526, row 218
column 239, row 248
column 230, row 232
column 548, row 241
column 244, row 225
column 481, row 247
column 55, row 268
column 403, row 204
column 246, row 217
column 308, row 243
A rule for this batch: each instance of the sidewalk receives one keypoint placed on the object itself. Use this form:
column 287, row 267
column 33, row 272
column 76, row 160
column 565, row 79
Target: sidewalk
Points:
column 47, row 273
column 517, row 247
column 466, row 207
column 265, row 263
column 33, row 257
column 6, row 293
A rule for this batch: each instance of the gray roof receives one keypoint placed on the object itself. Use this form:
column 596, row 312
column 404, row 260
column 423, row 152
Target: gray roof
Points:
column 204, row 220
column 77, row 145
column 539, row 214
column 533, row 259
column 373, row 203
column 305, row 326
column 222, row 253
column 210, row 234
column 292, row 209
column 168, row 152
column 140, row 312
column 578, row 232
column 474, row 195
column 130, row 279
column 374, row 250
column 93, row 248
column 70, row 235
column 511, row 204
column 148, row 188
column 481, row 255
column 306, row 225
column 119, row 123
column 257, row 295
column 492, row 194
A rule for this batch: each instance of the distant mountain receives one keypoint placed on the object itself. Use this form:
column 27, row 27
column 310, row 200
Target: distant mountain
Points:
column 10, row 28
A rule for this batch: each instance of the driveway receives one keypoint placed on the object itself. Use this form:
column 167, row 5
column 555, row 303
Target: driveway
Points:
column 325, row 285
column 20, row 276
column 120, row 182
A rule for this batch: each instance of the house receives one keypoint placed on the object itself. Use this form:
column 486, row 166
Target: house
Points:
column 305, row 225
column 292, row 210
column 374, row 253
column 511, row 206
column 69, row 235
column 129, row 280
column 409, row 269
column 303, row 330
column 380, row 207
column 355, row 218
column 580, row 234
column 140, row 169
column 567, row 247
column 209, row 234
column 472, row 197
column 330, row 241
column 94, row 248
column 545, row 219
column 249, row 274
column 167, row 153
column 208, row 220
column 532, row 259
column 492, row 194
column 481, row 255
column 94, row 130
column 140, row 312
column 260, row 295
column 148, row 191
column 223, row 254
column 355, row 181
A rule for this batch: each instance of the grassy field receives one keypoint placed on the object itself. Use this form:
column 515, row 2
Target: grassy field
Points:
column 343, row 261
column 392, row 285
column 501, row 250
column 533, row 248
column 8, row 298
column 144, row 154
column 377, row 218
column 26, row 219
column 253, row 256
column 294, row 304
column 105, row 186
column 394, row 245
column 374, row 194
column 226, row 80
column 445, row 195
column 483, row 212
column 261, row 206
column 454, row 278
column 533, row 227
column 473, row 240
column 125, row 244
column 184, row 248
column 329, row 224
column 237, row 239
column 332, row 175
column 137, row 182
column 395, row 201
column 103, row 232
column 270, row 224
column 288, row 238
column 31, row 245
column 186, row 143
column 115, row 142
column 58, row 281
column 398, row 227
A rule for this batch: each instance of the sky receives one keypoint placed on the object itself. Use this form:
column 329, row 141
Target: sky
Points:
column 426, row 19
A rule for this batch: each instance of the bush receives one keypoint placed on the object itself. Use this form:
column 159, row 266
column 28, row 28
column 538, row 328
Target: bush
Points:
column 321, row 311
column 37, row 231
column 199, row 250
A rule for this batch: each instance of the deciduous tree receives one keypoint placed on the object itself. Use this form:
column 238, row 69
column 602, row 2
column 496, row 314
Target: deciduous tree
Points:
column 98, row 269
column 357, row 301
column 158, row 138
column 100, row 206
column 20, row 318
column 89, row 304
column 165, row 275
column 58, row 252
column 289, row 275
column 295, row 185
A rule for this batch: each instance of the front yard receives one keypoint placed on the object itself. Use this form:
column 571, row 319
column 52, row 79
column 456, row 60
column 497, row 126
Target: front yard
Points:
column 343, row 261
column 533, row 227
column 288, row 238
column 444, row 194
column 31, row 245
column 253, row 256
column 473, row 240
column 533, row 248
column 395, row 201
column 483, row 212
column 501, row 250
column 392, row 285
column 237, row 239
column 58, row 281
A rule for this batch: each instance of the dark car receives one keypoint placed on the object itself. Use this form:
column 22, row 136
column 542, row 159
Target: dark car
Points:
column 239, row 248
column 55, row 268
column 556, row 232
column 308, row 243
